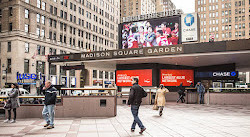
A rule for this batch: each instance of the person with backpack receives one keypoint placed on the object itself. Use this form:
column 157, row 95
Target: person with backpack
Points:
column 135, row 98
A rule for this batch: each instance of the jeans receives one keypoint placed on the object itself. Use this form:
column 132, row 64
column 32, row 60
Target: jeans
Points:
column 9, row 113
column 134, row 110
column 48, row 114
column 201, row 96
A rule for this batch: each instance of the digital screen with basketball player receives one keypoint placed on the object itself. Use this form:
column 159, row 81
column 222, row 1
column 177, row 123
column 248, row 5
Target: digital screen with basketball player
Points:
column 150, row 33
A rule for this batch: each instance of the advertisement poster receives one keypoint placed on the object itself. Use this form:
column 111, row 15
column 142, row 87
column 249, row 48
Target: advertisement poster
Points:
column 189, row 27
column 175, row 77
column 150, row 33
column 124, row 77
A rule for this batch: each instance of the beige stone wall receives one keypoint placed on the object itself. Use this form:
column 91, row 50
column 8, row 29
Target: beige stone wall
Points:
column 80, row 108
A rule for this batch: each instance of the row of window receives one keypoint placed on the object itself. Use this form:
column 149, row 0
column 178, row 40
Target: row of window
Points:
column 106, row 76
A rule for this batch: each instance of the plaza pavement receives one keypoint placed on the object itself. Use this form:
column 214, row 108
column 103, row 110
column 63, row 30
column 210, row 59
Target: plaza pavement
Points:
column 178, row 120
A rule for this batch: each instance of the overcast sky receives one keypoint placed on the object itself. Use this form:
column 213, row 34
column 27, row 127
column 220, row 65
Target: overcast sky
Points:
column 188, row 6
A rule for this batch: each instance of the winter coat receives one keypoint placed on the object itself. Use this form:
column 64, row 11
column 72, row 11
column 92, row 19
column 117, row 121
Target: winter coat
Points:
column 160, row 97
column 13, row 95
column 136, row 94
column 50, row 96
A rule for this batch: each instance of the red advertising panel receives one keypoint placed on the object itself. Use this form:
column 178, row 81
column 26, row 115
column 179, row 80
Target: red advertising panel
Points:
column 175, row 77
column 124, row 77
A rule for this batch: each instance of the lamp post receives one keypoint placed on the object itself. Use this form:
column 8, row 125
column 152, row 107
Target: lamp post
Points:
column 6, row 72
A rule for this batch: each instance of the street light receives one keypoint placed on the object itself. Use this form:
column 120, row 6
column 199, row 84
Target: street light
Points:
column 6, row 72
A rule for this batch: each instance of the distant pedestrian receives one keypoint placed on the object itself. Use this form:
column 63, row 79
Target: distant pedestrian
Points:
column 48, row 113
column 13, row 102
column 135, row 98
column 201, row 90
column 112, row 85
column 181, row 93
column 160, row 98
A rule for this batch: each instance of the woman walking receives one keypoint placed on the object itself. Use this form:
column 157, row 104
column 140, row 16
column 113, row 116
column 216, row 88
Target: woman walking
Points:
column 14, row 101
column 160, row 98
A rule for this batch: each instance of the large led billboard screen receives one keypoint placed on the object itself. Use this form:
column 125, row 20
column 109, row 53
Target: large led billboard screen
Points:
column 175, row 77
column 150, row 33
column 124, row 77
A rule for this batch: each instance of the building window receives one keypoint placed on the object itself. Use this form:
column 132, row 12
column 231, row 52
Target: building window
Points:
column 8, row 65
column 100, row 74
column 26, row 66
column 94, row 73
column 38, row 4
column 43, row 20
column 10, row 11
column 43, row 6
column 38, row 18
column 55, row 11
column 106, row 75
column 40, row 67
column 43, row 50
column 26, row 29
column 111, row 75
column 65, row 15
column 61, row 13
column 27, row 47
column 50, row 35
column 51, row 9
column 9, row 46
column 38, row 49
column 54, row 37
column 38, row 31
column 26, row 13
column 43, row 32
column 0, row 13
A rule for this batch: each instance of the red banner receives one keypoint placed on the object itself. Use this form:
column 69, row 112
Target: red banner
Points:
column 175, row 77
column 124, row 77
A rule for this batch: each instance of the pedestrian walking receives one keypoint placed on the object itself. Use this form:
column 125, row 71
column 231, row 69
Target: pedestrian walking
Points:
column 48, row 112
column 201, row 90
column 135, row 98
column 181, row 94
column 12, row 102
column 160, row 98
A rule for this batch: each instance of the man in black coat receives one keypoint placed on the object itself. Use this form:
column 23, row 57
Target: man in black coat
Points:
column 135, row 98
column 48, row 113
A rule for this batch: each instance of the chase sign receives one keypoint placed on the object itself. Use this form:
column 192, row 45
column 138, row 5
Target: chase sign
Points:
column 189, row 20
column 26, row 76
column 189, row 27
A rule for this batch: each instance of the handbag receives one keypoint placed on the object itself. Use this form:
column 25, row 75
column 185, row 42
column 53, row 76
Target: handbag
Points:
column 7, row 104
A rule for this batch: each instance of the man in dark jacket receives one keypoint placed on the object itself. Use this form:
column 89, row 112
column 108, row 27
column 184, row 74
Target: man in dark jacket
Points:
column 181, row 93
column 48, row 113
column 135, row 98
